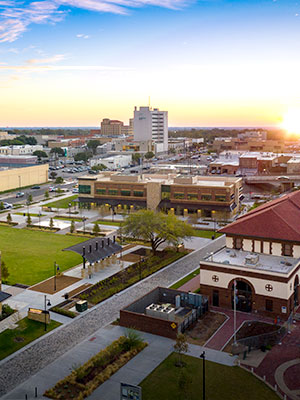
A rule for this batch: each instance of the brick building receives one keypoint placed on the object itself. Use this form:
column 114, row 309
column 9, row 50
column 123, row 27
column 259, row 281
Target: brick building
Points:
column 208, row 196
column 262, row 254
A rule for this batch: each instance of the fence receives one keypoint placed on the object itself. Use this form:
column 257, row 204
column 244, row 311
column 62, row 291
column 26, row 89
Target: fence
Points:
column 265, row 339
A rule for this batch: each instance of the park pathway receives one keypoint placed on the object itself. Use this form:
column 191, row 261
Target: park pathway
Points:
column 21, row 365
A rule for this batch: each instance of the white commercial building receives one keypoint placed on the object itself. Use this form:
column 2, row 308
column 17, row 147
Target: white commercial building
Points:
column 114, row 162
column 151, row 125
column 19, row 150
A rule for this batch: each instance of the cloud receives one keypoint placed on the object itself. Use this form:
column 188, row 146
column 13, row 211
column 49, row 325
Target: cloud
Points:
column 41, row 68
column 16, row 16
column 50, row 60
column 82, row 36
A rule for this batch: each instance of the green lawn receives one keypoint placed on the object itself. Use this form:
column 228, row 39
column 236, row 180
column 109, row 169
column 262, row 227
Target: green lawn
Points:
column 185, row 279
column 222, row 382
column 105, row 222
column 63, row 203
column 30, row 255
column 12, row 340
column 32, row 215
column 206, row 234
column 68, row 219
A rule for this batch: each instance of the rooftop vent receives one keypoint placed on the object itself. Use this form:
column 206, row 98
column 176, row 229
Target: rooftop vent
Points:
column 251, row 259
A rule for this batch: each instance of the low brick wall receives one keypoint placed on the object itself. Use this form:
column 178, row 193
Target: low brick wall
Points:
column 148, row 324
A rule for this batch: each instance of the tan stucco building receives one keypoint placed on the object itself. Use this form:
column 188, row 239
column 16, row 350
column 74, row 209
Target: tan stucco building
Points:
column 20, row 177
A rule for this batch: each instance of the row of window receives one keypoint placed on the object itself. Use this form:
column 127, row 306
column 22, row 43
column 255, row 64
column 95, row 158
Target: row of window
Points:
column 286, row 248
column 194, row 196
column 117, row 192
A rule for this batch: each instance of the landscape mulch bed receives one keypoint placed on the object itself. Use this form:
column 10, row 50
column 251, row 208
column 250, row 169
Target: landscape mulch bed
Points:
column 79, row 289
column 62, row 282
column 205, row 328
column 131, row 258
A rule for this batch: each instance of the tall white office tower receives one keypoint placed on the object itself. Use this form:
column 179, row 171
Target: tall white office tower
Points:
column 151, row 124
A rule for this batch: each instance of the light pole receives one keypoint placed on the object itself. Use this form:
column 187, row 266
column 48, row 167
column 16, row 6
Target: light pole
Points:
column 47, row 304
column 56, row 269
column 84, row 224
column 70, row 205
column 40, row 219
column 203, row 375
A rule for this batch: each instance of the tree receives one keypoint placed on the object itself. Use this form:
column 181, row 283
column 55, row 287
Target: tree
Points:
column 51, row 223
column 83, row 156
column 99, row 167
column 47, row 194
column 53, row 175
column 57, row 150
column 28, row 220
column 136, row 158
column 40, row 154
column 2, row 205
column 29, row 198
column 92, row 145
column 181, row 346
column 4, row 272
column 72, row 227
column 8, row 218
column 59, row 180
column 96, row 229
column 149, row 155
column 156, row 227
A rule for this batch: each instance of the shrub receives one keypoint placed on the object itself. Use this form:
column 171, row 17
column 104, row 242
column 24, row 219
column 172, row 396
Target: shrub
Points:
column 62, row 311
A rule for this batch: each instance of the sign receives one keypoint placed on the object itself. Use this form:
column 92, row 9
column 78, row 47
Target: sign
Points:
column 130, row 392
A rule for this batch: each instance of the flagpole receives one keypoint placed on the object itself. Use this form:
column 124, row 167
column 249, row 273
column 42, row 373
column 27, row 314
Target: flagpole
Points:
column 234, row 312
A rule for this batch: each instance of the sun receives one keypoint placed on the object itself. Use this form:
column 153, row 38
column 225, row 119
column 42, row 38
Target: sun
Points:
column 291, row 121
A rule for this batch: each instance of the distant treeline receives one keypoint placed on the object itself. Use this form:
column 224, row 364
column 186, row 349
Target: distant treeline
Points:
column 20, row 140
column 50, row 131
column 210, row 134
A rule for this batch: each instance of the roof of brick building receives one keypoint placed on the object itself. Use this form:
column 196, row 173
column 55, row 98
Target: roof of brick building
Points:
column 277, row 219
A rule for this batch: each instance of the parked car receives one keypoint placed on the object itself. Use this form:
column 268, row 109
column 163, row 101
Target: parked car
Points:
column 75, row 190
column 20, row 194
column 7, row 205
column 36, row 187
column 52, row 189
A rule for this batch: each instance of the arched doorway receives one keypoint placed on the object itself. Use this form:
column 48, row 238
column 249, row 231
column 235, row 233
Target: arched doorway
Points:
column 296, row 291
column 243, row 296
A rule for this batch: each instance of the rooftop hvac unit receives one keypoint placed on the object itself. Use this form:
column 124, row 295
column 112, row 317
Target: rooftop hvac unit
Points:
column 251, row 259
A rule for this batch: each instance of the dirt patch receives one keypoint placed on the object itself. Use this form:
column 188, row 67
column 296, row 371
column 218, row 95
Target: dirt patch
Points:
column 205, row 328
column 131, row 258
column 79, row 289
column 142, row 252
column 18, row 339
column 62, row 282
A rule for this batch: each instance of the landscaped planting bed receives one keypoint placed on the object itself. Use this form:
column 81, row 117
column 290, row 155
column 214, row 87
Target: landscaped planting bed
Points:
column 127, row 277
column 86, row 378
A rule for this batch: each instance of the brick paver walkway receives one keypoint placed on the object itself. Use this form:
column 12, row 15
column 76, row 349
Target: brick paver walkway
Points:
column 191, row 285
column 224, row 334
column 23, row 364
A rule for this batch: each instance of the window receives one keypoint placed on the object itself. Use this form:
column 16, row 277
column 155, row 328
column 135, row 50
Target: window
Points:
column 287, row 250
column 269, row 305
column 220, row 197
column 238, row 243
column 84, row 189
column 206, row 197
column 192, row 196
column 138, row 193
column 178, row 195
column 113, row 192
column 165, row 191
column 101, row 191
column 125, row 192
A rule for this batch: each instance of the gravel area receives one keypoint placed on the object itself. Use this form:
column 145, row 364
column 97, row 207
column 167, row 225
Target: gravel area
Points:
column 23, row 364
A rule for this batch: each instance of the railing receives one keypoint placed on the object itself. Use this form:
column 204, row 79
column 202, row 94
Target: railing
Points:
column 265, row 339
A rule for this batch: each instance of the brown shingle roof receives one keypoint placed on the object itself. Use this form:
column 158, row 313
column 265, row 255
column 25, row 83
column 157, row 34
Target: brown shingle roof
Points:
column 277, row 219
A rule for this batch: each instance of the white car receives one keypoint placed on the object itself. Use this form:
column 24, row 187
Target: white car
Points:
column 7, row 205
column 75, row 190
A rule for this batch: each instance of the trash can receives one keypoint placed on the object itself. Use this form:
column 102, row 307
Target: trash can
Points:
column 66, row 296
column 81, row 305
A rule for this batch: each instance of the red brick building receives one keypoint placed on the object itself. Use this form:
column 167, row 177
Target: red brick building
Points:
column 262, row 254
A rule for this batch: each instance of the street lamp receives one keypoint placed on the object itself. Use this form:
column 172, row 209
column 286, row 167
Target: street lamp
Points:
column 47, row 304
column 40, row 219
column 70, row 205
column 56, row 269
column 203, row 376
column 84, row 224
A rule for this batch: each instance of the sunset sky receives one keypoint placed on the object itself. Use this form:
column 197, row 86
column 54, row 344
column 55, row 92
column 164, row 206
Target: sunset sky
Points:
column 209, row 63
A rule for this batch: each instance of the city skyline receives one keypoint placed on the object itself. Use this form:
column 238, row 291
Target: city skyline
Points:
column 208, row 63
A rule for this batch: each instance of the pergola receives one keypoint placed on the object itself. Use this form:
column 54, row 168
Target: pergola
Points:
column 96, row 249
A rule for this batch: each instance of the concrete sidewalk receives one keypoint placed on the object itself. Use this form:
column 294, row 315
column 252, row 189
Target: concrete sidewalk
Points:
column 133, row 372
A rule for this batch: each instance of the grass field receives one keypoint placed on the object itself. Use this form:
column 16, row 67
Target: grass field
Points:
column 105, row 222
column 12, row 340
column 63, row 203
column 30, row 255
column 222, row 382
column 185, row 279
column 206, row 234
